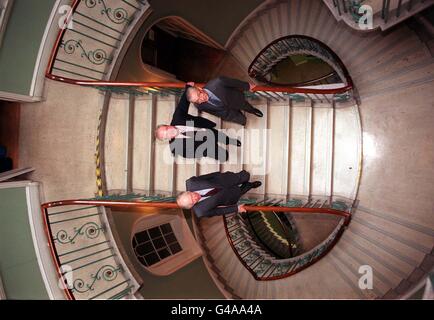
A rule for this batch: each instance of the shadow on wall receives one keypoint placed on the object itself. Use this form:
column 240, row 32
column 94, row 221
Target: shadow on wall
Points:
column 207, row 18
column 178, row 285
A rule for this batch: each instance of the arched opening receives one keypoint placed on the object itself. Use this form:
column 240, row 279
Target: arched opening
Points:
column 298, row 61
column 176, row 47
column 302, row 69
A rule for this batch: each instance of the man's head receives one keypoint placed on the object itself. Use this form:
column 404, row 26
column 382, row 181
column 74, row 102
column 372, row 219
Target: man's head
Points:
column 186, row 200
column 165, row 132
column 197, row 95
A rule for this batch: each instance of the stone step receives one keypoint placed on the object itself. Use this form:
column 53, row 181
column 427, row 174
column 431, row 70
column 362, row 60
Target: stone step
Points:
column 93, row 38
column 116, row 144
column 89, row 260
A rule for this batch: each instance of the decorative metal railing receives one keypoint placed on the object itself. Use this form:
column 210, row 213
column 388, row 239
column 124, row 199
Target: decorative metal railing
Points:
column 264, row 267
column 349, row 6
column 284, row 47
column 259, row 262
column 91, row 37
column 77, row 250
column 88, row 261
column 89, row 45
column 383, row 11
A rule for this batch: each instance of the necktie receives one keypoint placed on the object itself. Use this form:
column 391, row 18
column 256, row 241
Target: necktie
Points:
column 184, row 129
column 187, row 132
column 213, row 99
column 212, row 192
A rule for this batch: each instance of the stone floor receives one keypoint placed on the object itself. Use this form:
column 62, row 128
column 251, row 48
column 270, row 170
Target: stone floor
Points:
column 57, row 138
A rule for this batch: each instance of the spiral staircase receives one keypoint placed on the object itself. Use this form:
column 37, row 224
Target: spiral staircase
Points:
column 307, row 155
column 386, row 13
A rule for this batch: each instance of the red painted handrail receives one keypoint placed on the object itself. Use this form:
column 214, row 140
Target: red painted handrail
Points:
column 162, row 205
column 59, row 38
column 181, row 85
column 54, row 255
column 49, row 74
column 173, row 205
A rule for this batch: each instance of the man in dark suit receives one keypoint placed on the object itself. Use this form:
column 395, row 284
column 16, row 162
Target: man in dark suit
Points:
column 224, row 98
column 216, row 193
column 194, row 137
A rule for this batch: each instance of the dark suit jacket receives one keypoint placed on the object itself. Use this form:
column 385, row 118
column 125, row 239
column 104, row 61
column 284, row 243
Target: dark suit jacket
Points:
column 181, row 117
column 229, row 91
column 228, row 196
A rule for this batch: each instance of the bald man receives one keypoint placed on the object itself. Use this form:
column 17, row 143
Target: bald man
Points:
column 216, row 193
column 224, row 98
column 194, row 137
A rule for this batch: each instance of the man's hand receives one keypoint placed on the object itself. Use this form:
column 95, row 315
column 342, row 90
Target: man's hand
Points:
column 191, row 84
column 252, row 86
column 241, row 208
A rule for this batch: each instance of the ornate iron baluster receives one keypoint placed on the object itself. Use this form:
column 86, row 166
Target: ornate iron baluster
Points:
column 107, row 273
column 116, row 15
column 96, row 57
column 90, row 230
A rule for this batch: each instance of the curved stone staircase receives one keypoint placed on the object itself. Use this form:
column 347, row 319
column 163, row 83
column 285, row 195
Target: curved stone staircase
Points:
column 380, row 65
column 379, row 69
column 87, row 257
column 94, row 35
column 319, row 164
column 230, row 271
column 315, row 159
column 385, row 13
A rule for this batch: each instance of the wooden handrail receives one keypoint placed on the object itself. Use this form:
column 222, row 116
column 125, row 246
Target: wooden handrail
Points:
column 181, row 85
column 59, row 37
column 92, row 83
column 53, row 252
column 173, row 205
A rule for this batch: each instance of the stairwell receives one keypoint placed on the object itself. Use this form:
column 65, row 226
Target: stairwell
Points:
column 309, row 152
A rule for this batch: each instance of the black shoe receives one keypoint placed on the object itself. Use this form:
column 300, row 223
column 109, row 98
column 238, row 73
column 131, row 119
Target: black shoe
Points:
column 256, row 184
column 258, row 113
column 238, row 143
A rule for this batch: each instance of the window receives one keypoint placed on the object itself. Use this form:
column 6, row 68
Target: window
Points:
column 155, row 244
